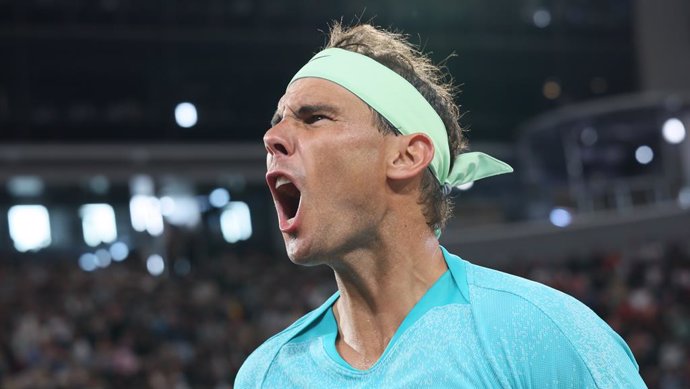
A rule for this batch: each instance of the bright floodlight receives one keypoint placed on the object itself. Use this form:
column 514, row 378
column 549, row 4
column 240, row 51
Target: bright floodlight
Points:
column 155, row 265
column 673, row 131
column 466, row 186
column 236, row 222
column 29, row 227
column 219, row 198
column 560, row 217
column 541, row 18
column 167, row 205
column 98, row 224
column 145, row 212
column 119, row 251
column 644, row 154
column 181, row 210
column 185, row 115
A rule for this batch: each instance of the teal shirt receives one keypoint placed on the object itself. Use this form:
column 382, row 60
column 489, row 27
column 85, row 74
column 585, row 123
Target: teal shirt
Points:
column 474, row 328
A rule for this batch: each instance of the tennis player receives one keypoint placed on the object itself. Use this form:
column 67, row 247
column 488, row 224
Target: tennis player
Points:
column 362, row 151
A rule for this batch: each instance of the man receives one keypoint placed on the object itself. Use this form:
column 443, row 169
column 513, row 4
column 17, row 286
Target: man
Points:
column 362, row 151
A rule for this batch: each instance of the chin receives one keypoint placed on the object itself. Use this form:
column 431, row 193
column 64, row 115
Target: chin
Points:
column 303, row 261
column 299, row 252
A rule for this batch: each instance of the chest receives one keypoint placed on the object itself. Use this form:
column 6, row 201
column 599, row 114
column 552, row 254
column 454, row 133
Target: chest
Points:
column 440, row 350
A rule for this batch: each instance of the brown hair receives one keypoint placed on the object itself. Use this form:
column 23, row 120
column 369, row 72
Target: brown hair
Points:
column 395, row 52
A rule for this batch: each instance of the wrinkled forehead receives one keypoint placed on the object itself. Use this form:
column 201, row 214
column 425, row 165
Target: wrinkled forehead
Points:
column 318, row 91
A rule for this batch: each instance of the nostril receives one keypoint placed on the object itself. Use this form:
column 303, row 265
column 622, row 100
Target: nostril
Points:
column 276, row 144
column 280, row 148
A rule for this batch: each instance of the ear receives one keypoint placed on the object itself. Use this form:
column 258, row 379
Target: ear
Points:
column 410, row 156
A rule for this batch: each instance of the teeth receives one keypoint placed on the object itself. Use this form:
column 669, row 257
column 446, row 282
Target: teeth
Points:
column 282, row 181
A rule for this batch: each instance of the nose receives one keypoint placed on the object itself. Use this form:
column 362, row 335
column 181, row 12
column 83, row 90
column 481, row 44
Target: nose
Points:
column 277, row 141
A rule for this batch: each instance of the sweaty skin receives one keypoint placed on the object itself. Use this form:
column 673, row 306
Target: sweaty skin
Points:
column 359, row 212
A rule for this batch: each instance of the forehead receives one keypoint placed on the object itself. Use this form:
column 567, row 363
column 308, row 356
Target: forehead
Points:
column 312, row 91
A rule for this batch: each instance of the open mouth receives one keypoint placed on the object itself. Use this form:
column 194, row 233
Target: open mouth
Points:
column 288, row 196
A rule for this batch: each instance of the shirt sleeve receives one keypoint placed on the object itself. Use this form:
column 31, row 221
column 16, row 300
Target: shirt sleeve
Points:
column 538, row 337
column 251, row 372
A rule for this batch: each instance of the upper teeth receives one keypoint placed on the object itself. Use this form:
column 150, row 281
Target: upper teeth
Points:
column 282, row 181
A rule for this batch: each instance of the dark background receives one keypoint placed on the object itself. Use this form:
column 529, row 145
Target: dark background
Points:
column 113, row 70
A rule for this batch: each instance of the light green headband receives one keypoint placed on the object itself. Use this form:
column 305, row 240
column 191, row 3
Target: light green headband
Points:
column 404, row 107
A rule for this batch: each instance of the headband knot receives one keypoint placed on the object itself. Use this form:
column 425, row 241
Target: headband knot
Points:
column 446, row 189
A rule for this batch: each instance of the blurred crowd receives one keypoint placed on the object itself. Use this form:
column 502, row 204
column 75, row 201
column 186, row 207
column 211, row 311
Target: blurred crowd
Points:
column 120, row 327
column 192, row 327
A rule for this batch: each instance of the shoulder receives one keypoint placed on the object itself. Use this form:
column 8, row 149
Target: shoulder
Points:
column 255, row 367
column 488, row 285
column 257, row 364
column 541, row 335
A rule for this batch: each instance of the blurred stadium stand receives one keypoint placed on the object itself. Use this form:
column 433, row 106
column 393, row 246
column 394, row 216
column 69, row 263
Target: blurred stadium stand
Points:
column 139, row 245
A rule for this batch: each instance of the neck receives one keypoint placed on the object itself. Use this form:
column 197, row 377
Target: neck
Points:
column 378, row 288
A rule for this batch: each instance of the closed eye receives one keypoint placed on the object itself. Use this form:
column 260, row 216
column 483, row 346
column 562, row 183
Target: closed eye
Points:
column 309, row 114
column 311, row 119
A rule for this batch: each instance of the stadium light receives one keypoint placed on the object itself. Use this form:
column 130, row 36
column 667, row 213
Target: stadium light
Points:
column 560, row 217
column 180, row 210
column 541, row 17
column 119, row 251
column 145, row 212
column 236, row 222
column 98, row 224
column 103, row 258
column 155, row 265
column 88, row 262
column 644, row 154
column 25, row 186
column 99, row 184
column 219, row 198
column 167, row 205
column 141, row 184
column 29, row 227
column 673, row 131
column 185, row 115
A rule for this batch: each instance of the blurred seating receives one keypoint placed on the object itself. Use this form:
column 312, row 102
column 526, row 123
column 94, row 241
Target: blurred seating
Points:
column 61, row 327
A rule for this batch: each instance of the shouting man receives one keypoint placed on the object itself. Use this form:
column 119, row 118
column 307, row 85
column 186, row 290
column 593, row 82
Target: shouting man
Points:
column 363, row 150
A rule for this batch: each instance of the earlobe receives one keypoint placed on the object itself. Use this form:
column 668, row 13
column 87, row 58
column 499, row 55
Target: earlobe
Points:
column 411, row 155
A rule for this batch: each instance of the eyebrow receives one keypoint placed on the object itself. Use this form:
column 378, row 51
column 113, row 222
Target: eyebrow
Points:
column 307, row 110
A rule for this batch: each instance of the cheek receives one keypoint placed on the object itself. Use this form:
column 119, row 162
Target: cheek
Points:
column 356, row 163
